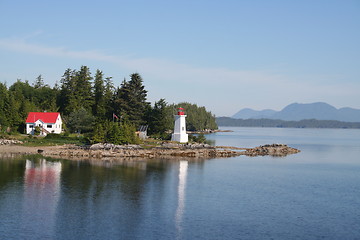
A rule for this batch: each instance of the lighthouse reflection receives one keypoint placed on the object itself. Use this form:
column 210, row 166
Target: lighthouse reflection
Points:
column 42, row 192
column 183, row 167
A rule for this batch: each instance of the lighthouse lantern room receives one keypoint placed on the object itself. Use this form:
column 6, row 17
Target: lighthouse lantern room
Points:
column 180, row 134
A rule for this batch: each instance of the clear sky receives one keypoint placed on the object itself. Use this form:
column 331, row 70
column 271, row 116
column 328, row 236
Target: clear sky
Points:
column 224, row 55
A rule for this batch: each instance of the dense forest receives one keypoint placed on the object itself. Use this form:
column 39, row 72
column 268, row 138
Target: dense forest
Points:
column 307, row 123
column 95, row 106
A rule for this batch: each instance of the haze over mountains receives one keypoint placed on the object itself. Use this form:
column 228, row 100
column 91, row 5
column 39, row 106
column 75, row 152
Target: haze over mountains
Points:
column 300, row 111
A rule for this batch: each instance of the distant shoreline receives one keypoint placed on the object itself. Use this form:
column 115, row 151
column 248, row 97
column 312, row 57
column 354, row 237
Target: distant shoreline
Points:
column 207, row 131
column 307, row 123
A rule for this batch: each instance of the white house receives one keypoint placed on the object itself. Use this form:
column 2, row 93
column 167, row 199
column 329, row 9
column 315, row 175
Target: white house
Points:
column 49, row 122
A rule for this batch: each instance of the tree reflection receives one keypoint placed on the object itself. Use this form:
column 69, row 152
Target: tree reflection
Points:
column 11, row 170
column 99, row 194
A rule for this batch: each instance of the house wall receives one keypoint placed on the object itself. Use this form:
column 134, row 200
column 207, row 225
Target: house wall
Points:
column 50, row 127
column 58, row 125
column 30, row 128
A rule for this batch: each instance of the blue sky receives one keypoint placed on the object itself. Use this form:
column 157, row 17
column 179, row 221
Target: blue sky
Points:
column 224, row 55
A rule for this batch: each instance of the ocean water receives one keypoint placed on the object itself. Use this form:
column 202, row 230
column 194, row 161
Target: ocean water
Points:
column 314, row 194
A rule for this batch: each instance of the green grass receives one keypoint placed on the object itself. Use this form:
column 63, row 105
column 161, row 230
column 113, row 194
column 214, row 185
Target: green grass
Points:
column 53, row 139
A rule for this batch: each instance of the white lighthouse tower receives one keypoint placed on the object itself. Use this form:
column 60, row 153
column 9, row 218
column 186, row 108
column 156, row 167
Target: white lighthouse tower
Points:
column 180, row 134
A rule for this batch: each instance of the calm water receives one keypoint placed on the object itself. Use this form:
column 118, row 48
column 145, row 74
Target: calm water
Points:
column 311, row 195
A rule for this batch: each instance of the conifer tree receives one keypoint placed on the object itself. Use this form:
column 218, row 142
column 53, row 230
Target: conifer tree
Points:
column 99, row 133
column 127, row 133
column 99, row 109
column 21, row 100
column 4, row 107
column 81, row 121
column 160, row 118
column 109, row 92
column 119, row 104
column 76, row 91
column 39, row 82
column 45, row 97
column 83, row 87
column 66, row 100
column 130, row 100
column 114, row 134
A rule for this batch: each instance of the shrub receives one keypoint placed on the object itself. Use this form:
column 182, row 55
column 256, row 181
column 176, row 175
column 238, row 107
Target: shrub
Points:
column 200, row 138
column 37, row 131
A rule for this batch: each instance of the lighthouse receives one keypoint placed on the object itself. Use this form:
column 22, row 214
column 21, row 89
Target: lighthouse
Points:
column 180, row 134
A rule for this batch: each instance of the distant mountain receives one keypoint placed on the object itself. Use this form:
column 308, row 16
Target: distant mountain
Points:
column 300, row 111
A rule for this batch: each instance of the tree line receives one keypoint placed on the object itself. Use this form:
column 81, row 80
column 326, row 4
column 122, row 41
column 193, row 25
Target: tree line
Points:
column 92, row 104
column 306, row 123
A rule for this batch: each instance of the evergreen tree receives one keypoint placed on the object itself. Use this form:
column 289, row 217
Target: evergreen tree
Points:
column 119, row 103
column 21, row 96
column 81, row 121
column 127, row 133
column 45, row 97
column 22, row 90
column 99, row 109
column 76, row 91
column 160, row 119
column 66, row 100
column 83, row 94
column 114, row 134
column 11, row 111
column 109, row 92
column 4, row 107
column 130, row 100
column 39, row 82
column 99, row 133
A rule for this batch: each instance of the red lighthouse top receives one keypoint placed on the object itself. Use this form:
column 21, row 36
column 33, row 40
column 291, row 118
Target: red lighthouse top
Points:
column 181, row 111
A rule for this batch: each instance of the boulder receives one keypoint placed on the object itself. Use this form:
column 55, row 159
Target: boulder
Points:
column 9, row 142
column 271, row 149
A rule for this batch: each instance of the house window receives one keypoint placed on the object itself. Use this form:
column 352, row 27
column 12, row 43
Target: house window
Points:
column 31, row 126
column 49, row 126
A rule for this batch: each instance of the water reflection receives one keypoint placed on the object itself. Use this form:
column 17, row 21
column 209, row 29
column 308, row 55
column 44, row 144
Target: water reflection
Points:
column 125, row 162
column 310, row 195
column 183, row 167
column 41, row 196
column 60, row 199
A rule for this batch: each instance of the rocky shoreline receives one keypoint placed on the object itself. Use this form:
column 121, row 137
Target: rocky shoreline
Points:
column 9, row 142
column 165, row 149
column 277, row 150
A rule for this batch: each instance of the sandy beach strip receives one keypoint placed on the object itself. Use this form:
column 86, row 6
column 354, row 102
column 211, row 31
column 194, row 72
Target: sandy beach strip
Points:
column 19, row 149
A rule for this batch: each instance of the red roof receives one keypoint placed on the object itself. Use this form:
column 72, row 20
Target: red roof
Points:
column 45, row 117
